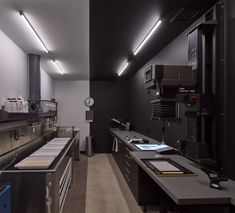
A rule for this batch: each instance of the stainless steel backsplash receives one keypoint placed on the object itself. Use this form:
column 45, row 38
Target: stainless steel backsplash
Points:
column 19, row 138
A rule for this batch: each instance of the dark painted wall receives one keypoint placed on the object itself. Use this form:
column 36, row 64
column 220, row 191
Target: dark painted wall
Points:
column 139, row 108
column 139, row 113
column 130, row 101
column 110, row 102
column 229, row 156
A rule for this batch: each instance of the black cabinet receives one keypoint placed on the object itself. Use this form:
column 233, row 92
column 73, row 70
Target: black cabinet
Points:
column 144, row 189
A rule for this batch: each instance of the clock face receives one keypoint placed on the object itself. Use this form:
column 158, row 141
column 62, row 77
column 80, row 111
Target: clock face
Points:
column 89, row 101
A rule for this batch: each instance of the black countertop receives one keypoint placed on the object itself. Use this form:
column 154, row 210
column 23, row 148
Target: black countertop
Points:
column 184, row 190
column 187, row 190
column 122, row 134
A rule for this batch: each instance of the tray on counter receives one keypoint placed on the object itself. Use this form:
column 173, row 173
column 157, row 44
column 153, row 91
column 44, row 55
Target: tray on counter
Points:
column 167, row 167
column 44, row 157
column 46, row 152
column 53, row 146
column 35, row 163
column 59, row 140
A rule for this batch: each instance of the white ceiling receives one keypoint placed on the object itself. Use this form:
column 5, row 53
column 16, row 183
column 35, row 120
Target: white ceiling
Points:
column 63, row 25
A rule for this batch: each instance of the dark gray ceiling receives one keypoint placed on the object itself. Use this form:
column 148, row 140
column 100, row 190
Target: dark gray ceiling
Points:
column 117, row 27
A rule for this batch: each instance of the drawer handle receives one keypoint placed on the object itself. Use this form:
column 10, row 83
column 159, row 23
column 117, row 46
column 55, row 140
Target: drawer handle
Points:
column 127, row 164
column 128, row 179
column 128, row 156
column 128, row 171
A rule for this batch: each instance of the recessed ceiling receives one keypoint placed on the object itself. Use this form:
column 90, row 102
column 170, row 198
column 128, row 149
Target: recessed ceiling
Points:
column 63, row 25
column 117, row 28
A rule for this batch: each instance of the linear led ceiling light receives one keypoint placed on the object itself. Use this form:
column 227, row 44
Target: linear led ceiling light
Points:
column 147, row 37
column 37, row 37
column 123, row 69
column 58, row 67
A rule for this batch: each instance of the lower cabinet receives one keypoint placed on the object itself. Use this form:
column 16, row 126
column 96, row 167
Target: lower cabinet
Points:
column 144, row 189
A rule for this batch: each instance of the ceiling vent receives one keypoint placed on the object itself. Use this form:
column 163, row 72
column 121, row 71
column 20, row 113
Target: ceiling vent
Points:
column 185, row 15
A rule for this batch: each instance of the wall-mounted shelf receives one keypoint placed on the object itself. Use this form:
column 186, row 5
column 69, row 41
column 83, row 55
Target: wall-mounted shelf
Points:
column 9, row 117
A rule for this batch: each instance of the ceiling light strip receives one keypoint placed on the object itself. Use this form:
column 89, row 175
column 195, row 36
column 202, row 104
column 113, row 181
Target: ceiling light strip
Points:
column 24, row 18
column 58, row 67
column 147, row 37
column 123, row 69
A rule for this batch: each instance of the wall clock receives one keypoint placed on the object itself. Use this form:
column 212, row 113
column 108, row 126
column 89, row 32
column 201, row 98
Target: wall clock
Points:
column 89, row 101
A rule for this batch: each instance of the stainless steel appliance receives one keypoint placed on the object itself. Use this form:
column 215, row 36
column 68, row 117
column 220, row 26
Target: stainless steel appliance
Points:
column 42, row 190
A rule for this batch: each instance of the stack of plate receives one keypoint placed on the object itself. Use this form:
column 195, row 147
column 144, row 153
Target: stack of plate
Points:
column 44, row 157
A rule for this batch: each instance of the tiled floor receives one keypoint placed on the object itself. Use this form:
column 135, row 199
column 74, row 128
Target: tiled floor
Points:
column 99, row 187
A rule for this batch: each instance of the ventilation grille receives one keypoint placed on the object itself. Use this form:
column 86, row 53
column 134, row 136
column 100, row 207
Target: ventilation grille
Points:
column 185, row 15
column 162, row 109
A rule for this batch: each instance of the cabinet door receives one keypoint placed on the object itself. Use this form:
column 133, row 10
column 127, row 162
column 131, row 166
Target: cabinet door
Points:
column 118, row 156
column 134, row 176
column 144, row 189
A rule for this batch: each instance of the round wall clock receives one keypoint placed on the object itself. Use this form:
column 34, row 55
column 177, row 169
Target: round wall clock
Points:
column 89, row 101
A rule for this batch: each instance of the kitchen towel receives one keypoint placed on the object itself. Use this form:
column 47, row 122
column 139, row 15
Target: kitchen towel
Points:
column 115, row 145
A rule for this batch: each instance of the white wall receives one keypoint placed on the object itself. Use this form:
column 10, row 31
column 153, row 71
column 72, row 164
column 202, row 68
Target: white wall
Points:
column 14, row 72
column 13, row 69
column 47, row 86
column 71, row 108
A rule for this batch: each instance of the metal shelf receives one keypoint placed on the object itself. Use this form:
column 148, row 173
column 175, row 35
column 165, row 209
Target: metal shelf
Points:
column 9, row 117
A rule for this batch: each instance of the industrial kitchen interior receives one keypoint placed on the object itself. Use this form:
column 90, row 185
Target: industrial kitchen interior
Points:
column 117, row 106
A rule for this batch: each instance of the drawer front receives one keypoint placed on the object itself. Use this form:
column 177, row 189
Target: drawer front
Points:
column 141, row 185
column 134, row 179
column 64, row 184
column 128, row 167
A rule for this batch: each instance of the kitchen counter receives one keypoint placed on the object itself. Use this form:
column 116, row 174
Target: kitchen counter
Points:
column 140, row 183
column 190, row 190
column 122, row 134
column 183, row 190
